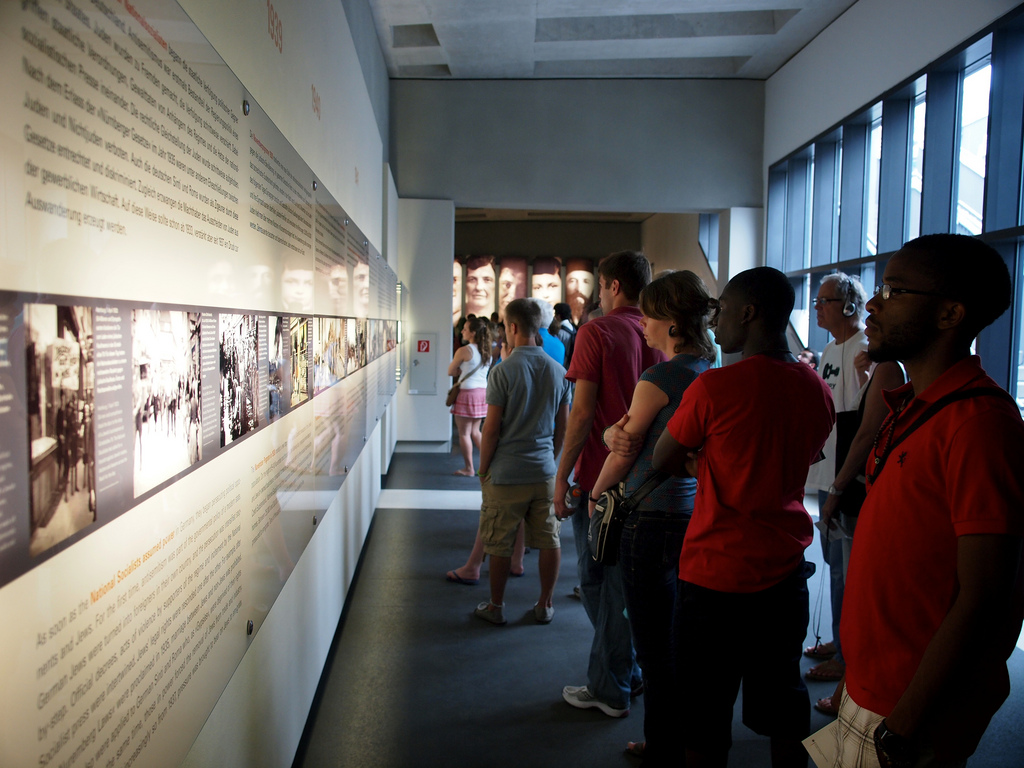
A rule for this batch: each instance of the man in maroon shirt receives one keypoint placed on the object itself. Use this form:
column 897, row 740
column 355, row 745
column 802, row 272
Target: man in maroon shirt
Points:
column 608, row 358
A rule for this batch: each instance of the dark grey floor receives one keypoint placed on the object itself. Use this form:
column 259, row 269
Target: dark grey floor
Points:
column 415, row 680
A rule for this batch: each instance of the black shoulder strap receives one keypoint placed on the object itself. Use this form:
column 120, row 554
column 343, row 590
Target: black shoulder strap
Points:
column 937, row 406
column 652, row 482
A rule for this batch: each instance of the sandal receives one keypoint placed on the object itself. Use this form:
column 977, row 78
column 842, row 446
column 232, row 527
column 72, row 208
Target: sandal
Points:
column 826, row 706
column 830, row 671
column 822, row 651
column 635, row 748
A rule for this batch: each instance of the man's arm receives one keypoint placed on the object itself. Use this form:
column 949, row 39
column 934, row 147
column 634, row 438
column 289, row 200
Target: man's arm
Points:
column 561, row 423
column 489, row 438
column 648, row 400
column 622, row 441
column 581, row 418
column 670, row 456
column 983, row 621
column 886, row 376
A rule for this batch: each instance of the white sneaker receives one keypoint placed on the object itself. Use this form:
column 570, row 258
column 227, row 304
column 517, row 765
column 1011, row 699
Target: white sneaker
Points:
column 488, row 611
column 580, row 697
column 543, row 613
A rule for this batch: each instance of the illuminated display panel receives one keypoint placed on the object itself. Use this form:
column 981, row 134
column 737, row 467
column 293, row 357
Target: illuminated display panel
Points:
column 196, row 342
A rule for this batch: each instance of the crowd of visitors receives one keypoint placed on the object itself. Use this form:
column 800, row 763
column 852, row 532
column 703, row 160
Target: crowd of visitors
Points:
column 897, row 428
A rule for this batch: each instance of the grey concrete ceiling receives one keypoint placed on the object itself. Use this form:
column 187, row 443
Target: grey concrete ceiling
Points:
column 495, row 39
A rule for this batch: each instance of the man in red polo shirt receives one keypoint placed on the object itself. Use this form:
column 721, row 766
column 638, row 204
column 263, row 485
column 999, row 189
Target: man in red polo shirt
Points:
column 748, row 432
column 934, row 595
column 609, row 356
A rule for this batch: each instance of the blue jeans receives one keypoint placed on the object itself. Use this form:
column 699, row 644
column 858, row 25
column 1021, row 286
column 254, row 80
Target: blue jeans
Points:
column 649, row 558
column 833, row 553
column 612, row 669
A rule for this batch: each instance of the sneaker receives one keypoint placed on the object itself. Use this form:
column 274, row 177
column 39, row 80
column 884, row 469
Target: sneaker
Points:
column 490, row 612
column 543, row 613
column 576, row 592
column 579, row 696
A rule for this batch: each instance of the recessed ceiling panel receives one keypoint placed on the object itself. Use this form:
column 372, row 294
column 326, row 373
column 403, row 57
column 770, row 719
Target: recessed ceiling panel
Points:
column 414, row 36
column 424, row 70
column 662, row 26
column 520, row 39
column 723, row 66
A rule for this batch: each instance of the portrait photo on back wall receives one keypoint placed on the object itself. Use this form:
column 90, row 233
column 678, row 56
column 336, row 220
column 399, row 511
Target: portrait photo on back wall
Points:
column 547, row 279
column 511, row 282
column 579, row 286
column 481, row 282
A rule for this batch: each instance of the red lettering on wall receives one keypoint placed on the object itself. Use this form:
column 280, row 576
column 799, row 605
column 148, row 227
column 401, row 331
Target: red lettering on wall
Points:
column 275, row 27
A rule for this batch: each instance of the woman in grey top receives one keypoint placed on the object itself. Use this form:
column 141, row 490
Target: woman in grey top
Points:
column 676, row 308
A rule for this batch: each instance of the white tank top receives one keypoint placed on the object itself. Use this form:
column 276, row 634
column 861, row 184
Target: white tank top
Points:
column 479, row 379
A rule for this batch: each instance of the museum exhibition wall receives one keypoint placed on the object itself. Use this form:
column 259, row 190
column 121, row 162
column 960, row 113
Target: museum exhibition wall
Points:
column 200, row 339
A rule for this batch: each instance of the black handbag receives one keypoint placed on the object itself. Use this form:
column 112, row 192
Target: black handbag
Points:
column 610, row 515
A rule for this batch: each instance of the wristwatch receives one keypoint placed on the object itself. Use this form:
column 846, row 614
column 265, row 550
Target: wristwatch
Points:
column 833, row 491
column 898, row 750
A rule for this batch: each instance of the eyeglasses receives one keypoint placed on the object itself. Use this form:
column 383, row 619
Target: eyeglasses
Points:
column 886, row 291
column 819, row 302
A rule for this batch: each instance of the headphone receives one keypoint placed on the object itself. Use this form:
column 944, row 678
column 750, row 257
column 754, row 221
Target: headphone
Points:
column 850, row 307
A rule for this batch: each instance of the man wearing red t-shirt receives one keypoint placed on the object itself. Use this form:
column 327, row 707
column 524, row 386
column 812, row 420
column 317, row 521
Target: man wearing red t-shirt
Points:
column 608, row 358
column 934, row 594
column 742, row 594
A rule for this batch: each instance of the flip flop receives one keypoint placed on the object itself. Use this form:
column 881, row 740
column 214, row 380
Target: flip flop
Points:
column 827, row 672
column 826, row 706
column 821, row 651
column 453, row 577
column 519, row 575
column 635, row 748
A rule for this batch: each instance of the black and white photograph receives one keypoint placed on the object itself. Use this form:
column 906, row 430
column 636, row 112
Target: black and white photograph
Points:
column 361, row 344
column 60, row 406
column 376, row 338
column 279, row 365
column 390, row 334
column 166, row 395
column 329, row 359
column 239, row 376
column 299, row 331
column 287, row 383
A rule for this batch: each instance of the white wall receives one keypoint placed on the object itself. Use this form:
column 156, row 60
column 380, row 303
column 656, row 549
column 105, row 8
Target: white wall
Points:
column 740, row 242
column 426, row 244
column 603, row 145
column 342, row 145
column 872, row 47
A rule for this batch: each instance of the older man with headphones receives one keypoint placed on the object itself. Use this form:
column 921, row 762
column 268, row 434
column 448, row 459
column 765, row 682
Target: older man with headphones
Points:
column 840, row 309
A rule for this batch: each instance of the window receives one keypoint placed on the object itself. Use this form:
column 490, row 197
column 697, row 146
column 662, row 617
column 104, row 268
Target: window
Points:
column 916, row 168
column 973, row 141
column 941, row 152
column 874, row 182
column 707, row 237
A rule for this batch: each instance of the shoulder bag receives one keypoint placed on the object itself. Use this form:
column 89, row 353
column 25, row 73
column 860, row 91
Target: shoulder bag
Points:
column 453, row 393
column 610, row 515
